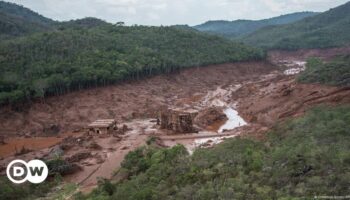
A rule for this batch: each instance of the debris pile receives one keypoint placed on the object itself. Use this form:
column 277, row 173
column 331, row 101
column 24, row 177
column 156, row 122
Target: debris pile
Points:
column 78, row 156
column 179, row 121
column 286, row 90
column 2, row 140
column 210, row 116
column 51, row 129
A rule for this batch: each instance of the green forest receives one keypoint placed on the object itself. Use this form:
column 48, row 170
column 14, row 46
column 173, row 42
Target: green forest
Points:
column 16, row 20
column 328, row 29
column 89, row 53
column 335, row 72
column 299, row 159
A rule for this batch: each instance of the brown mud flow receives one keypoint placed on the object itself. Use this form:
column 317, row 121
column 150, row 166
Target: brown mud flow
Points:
column 260, row 92
column 133, row 104
column 20, row 145
column 16, row 145
column 125, row 101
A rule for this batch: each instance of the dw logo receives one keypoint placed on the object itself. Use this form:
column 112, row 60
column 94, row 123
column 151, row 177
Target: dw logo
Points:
column 19, row 171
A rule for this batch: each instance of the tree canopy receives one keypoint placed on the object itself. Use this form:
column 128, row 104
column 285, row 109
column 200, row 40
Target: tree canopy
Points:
column 89, row 53
column 328, row 29
column 335, row 72
column 239, row 28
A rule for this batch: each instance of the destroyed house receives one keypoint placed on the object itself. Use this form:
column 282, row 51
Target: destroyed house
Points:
column 102, row 126
column 179, row 121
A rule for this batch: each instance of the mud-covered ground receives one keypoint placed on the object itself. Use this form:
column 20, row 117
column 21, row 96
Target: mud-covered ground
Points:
column 135, row 104
column 259, row 92
column 124, row 101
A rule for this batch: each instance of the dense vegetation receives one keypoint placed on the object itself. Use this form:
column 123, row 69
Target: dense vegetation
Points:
column 301, row 158
column 90, row 52
column 336, row 72
column 16, row 20
column 57, row 166
column 329, row 29
column 9, row 190
column 239, row 28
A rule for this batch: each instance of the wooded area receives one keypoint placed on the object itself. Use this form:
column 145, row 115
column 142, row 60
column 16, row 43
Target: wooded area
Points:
column 335, row 72
column 79, row 55
column 328, row 29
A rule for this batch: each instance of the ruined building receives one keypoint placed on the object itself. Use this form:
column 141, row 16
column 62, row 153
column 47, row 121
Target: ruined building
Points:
column 179, row 121
column 102, row 126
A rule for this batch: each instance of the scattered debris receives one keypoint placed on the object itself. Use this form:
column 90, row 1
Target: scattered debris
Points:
column 27, row 135
column 209, row 116
column 117, row 136
column 55, row 152
column 155, row 121
column 209, row 142
column 78, row 157
column 51, row 129
column 125, row 129
column 63, row 168
column 293, row 71
column 2, row 140
column 124, row 148
column 93, row 145
column 22, row 151
column 286, row 90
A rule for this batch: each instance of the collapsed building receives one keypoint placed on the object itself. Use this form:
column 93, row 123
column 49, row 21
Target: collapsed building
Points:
column 102, row 127
column 179, row 121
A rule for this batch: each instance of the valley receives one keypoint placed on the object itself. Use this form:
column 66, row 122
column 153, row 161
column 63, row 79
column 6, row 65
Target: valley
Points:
column 228, row 109
column 128, row 103
column 237, row 90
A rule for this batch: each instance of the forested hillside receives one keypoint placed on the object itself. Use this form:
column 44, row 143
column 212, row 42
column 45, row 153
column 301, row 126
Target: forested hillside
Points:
column 299, row 159
column 16, row 20
column 335, row 72
column 239, row 28
column 89, row 53
column 329, row 29
column 88, row 22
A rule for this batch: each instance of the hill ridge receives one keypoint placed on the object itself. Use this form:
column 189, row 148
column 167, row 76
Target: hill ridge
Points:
column 328, row 29
column 241, row 27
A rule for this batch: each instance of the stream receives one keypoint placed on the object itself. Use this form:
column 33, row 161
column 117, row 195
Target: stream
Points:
column 234, row 120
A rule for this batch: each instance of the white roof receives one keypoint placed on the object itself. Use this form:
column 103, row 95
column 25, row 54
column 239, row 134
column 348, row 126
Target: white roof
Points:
column 101, row 123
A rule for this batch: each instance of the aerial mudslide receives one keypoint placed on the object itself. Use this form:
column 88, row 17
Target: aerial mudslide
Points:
column 252, row 95
column 123, row 101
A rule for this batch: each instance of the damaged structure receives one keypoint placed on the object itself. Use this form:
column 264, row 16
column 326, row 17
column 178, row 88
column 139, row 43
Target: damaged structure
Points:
column 179, row 121
column 102, row 126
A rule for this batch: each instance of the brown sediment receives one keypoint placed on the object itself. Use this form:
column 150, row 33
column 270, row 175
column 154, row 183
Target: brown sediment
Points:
column 128, row 100
column 216, row 125
column 264, row 96
column 270, row 101
column 14, row 145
